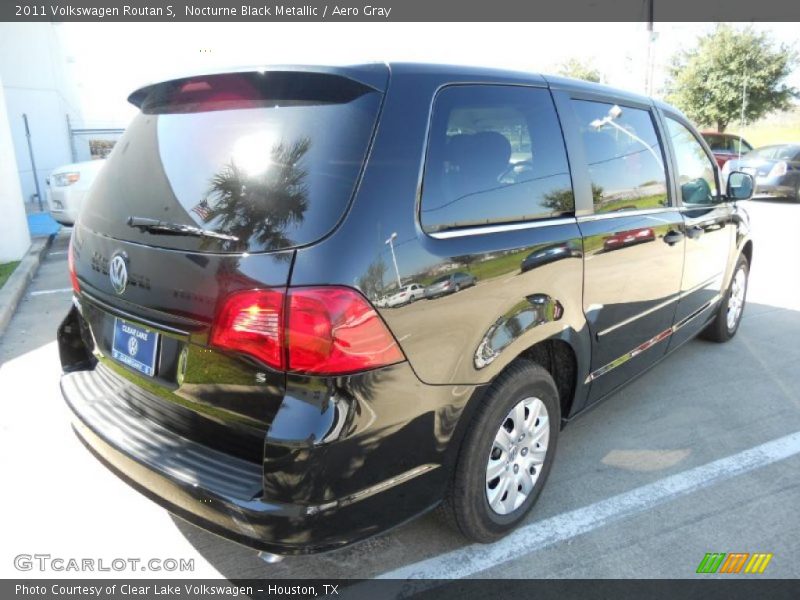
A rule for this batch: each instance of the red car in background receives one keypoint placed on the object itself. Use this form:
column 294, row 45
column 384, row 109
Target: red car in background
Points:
column 726, row 146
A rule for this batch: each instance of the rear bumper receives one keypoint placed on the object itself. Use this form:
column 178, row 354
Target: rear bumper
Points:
column 226, row 495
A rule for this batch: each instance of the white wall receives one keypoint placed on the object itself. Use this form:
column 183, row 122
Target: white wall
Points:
column 14, row 238
column 37, row 82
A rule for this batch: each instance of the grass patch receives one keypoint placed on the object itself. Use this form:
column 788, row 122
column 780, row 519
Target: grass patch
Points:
column 778, row 128
column 6, row 269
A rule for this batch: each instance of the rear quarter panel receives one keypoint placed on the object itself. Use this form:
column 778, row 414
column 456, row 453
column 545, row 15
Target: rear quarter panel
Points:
column 443, row 337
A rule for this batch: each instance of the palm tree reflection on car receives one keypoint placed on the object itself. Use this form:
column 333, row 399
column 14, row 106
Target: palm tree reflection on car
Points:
column 262, row 207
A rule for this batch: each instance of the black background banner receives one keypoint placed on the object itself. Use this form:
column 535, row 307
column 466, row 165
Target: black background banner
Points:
column 400, row 10
column 703, row 588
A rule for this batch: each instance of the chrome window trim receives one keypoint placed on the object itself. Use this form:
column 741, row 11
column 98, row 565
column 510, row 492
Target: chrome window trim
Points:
column 626, row 213
column 487, row 229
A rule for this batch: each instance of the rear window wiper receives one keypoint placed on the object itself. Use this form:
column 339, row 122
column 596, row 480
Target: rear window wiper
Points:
column 167, row 228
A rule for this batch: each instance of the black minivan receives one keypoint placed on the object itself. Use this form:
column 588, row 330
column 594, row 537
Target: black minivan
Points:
column 226, row 355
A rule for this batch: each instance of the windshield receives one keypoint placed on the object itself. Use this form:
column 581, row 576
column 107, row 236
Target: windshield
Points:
column 271, row 159
column 787, row 152
column 441, row 279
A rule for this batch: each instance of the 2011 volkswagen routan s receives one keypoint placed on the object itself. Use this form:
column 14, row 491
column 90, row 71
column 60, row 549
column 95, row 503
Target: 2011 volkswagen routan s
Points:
column 225, row 353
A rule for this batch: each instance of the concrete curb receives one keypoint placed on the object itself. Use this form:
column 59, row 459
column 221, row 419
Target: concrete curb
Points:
column 14, row 289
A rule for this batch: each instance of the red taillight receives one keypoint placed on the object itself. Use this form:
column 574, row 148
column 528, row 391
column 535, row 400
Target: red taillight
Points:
column 335, row 330
column 251, row 322
column 328, row 330
column 73, row 277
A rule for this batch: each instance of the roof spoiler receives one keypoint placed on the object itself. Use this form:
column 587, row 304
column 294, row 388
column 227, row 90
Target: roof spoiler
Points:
column 371, row 77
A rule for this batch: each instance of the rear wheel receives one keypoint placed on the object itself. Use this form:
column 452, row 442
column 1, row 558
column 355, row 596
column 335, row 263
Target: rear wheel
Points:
column 506, row 454
column 730, row 310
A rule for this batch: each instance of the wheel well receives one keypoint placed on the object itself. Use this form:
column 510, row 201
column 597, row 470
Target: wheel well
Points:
column 748, row 251
column 558, row 358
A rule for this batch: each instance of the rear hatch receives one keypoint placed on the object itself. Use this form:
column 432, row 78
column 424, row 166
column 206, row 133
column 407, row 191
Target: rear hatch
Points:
column 214, row 184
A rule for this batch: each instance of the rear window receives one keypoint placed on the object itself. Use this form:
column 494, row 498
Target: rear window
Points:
column 717, row 143
column 271, row 159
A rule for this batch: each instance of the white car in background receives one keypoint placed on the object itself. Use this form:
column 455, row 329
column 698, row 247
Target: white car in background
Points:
column 407, row 293
column 66, row 188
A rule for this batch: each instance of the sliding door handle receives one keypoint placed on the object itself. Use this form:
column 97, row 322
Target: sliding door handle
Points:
column 673, row 237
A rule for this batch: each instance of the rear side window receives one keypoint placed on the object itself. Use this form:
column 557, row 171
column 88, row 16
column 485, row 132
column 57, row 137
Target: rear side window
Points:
column 625, row 158
column 739, row 146
column 717, row 143
column 271, row 159
column 495, row 155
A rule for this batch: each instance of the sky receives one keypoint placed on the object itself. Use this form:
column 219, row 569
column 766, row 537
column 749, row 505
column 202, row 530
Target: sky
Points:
column 109, row 60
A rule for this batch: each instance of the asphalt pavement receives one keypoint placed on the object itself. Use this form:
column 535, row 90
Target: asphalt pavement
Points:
column 701, row 454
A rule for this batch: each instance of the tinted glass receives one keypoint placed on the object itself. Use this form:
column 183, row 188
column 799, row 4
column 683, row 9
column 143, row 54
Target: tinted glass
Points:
column 696, row 179
column 271, row 159
column 738, row 145
column 495, row 155
column 772, row 152
column 625, row 159
column 716, row 142
column 787, row 152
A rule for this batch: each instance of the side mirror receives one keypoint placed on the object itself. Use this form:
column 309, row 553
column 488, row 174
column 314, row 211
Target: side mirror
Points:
column 740, row 186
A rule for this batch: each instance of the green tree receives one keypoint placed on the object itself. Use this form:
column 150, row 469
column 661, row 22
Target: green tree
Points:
column 578, row 69
column 371, row 283
column 707, row 81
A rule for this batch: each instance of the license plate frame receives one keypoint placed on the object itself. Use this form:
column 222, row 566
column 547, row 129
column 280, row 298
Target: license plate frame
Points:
column 135, row 346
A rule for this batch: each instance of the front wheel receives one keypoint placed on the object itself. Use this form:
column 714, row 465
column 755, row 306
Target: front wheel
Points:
column 506, row 454
column 730, row 310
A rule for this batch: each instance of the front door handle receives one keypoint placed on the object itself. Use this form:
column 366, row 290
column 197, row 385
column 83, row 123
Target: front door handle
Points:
column 673, row 237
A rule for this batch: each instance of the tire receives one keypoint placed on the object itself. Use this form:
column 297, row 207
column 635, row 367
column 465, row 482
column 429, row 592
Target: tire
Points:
column 721, row 329
column 467, row 505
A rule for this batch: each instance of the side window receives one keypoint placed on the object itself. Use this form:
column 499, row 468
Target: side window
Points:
column 695, row 170
column 495, row 155
column 716, row 143
column 625, row 159
column 739, row 145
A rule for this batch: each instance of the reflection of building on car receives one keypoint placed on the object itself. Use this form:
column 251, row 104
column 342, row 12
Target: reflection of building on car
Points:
column 776, row 170
column 449, row 284
column 629, row 238
column 406, row 294
column 66, row 188
column 726, row 146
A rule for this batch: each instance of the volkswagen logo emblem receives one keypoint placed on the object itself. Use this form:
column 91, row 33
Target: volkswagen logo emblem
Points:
column 133, row 346
column 118, row 273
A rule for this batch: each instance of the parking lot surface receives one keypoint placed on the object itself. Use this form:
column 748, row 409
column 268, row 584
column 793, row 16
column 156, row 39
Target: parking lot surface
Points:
column 701, row 454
